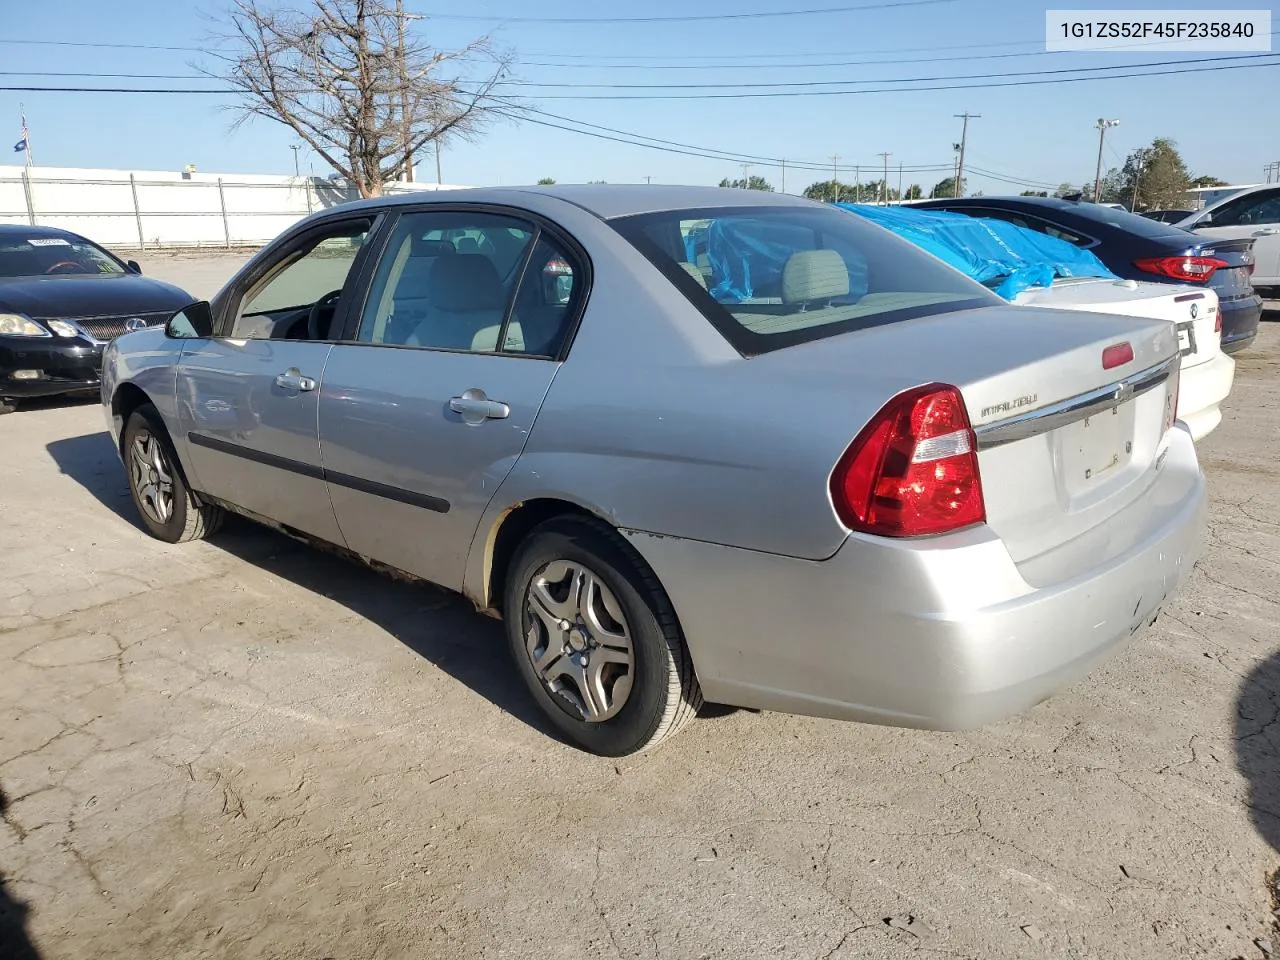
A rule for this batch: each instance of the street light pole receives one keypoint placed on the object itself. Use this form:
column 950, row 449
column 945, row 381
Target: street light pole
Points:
column 885, row 183
column 1097, row 176
column 295, row 148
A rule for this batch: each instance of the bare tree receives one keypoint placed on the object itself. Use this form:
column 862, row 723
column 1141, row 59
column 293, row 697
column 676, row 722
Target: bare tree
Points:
column 351, row 79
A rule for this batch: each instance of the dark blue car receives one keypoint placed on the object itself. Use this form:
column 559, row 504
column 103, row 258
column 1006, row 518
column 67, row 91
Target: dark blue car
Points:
column 1137, row 248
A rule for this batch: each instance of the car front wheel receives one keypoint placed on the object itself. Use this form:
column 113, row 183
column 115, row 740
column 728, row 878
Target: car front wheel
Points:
column 596, row 640
column 169, row 510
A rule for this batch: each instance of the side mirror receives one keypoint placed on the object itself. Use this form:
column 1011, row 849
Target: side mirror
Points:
column 1204, row 221
column 134, row 267
column 192, row 322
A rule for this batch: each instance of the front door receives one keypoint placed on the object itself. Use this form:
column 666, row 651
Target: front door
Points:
column 249, row 400
column 1254, row 216
column 427, row 409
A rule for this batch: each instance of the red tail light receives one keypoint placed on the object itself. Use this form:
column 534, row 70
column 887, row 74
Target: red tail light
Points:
column 1187, row 269
column 913, row 470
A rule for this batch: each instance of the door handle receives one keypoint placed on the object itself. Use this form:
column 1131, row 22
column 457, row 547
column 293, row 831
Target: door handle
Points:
column 292, row 379
column 1268, row 232
column 475, row 407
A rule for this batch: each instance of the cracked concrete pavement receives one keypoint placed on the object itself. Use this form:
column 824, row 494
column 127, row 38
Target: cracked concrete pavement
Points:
column 246, row 748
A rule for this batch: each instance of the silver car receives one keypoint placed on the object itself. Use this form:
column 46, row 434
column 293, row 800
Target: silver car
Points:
column 688, row 443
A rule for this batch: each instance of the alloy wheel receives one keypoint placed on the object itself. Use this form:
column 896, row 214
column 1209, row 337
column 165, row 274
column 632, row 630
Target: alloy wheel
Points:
column 152, row 476
column 578, row 640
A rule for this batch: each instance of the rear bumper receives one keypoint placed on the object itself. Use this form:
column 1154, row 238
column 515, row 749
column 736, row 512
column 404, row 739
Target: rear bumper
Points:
column 1202, row 391
column 61, row 364
column 943, row 633
column 1240, row 319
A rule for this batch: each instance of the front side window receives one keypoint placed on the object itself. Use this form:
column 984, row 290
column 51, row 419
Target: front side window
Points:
column 772, row 277
column 471, row 281
column 41, row 255
column 1250, row 210
column 297, row 298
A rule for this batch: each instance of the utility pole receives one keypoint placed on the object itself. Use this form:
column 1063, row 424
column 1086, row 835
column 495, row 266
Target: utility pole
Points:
column 295, row 148
column 1103, row 126
column 857, row 184
column 1137, row 182
column 884, row 185
column 648, row 179
column 835, row 177
column 784, row 176
column 439, row 179
column 964, row 141
column 899, row 181
column 746, row 183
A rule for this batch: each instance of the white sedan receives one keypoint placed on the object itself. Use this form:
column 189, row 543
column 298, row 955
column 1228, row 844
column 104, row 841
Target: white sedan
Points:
column 1207, row 372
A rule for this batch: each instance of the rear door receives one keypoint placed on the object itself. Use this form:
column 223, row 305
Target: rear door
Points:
column 1254, row 216
column 428, row 403
column 248, row 398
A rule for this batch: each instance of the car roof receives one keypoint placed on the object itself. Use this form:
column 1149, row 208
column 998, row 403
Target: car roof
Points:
column 1248, row 191
column 606, row 201
column 23, row 230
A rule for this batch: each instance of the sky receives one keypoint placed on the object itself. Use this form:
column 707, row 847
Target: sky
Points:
column 1037, row 135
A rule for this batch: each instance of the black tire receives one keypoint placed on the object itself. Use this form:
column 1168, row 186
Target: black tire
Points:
column 188, row 517
column 7, row 406
column 664, row 693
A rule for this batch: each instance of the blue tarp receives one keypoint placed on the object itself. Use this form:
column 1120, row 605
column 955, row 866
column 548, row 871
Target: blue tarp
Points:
column 987, row 250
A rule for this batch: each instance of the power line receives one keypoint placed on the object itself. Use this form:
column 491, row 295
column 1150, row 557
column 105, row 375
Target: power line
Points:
column 611, row 63
column 1252, row 58
column 688, row 18
column 842, row 83
column 954, row 86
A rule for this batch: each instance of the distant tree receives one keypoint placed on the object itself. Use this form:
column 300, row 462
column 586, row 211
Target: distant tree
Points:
column 1112, row 188
column 943, row 189
column 751, row 183
column 1207, row 181
column 597, row 181
column 1066, row 190
column 357, row 82
column 1034, row 193
column 546, row 181
column 914, row 192
column 1153, row 178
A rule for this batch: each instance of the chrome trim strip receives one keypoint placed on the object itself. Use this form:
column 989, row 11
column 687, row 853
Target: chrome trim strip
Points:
column 1075, row 408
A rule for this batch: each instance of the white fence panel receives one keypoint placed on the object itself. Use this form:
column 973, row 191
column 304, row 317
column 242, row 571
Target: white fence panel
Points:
column 160, row 209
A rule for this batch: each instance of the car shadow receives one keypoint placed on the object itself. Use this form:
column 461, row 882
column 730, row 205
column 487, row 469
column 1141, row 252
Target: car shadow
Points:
column 439, row 626
column 91, row 460
column 15, row 942
column 1257, row 737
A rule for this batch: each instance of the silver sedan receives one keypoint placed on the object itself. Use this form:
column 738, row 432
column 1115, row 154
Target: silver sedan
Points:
column 687, row 443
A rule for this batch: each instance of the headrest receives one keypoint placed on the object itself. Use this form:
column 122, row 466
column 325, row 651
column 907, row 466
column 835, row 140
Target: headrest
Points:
column 814, row 275
column 467, row 245
column 423, row 247
column 466, row 283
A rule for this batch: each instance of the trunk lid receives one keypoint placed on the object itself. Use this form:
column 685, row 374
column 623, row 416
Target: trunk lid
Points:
column 1193, row 310
column 1064, row 445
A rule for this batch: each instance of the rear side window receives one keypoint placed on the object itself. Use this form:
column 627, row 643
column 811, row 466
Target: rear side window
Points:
column 771, row 277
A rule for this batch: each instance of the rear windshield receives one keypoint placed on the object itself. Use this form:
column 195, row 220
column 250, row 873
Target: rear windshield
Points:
column 773, row 277
column 1124, row 220
column 35, row 255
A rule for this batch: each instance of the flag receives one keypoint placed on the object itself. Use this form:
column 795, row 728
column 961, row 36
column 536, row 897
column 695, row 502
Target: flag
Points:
column 23, row 144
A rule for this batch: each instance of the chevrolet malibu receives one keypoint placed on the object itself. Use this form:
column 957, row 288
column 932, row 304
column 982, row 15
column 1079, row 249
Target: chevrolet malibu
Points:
column 686, row 443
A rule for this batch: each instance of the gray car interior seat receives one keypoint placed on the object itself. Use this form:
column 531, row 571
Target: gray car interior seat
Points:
column 465, row 297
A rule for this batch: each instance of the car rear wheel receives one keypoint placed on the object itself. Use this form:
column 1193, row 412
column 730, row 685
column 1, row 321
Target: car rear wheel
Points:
column 595, row 639
column 7, row 406
column 169, row 510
